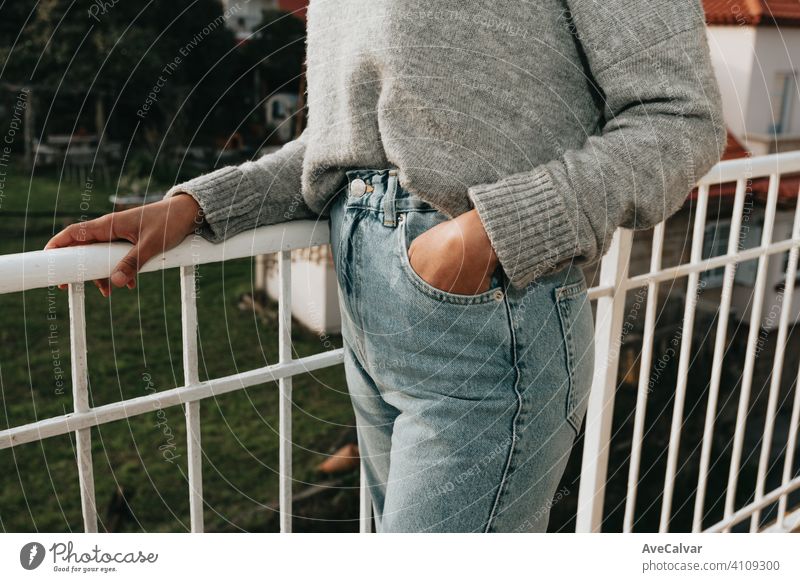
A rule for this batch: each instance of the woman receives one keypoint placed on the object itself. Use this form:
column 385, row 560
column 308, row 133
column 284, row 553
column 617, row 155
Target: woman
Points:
column 470, row 156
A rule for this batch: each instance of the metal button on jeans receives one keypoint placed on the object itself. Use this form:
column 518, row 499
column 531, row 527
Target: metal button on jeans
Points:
column 358, row 187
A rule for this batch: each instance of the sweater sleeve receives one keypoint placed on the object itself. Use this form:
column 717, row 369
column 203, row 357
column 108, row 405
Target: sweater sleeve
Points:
column 252, row 194
column 662, row 131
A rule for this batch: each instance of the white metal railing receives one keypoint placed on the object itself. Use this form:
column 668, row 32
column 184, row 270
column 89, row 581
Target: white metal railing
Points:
column 75, row 265
column 615, row 283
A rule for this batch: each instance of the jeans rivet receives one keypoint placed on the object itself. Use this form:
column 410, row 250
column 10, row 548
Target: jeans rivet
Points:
column 498, row 295
column 358, row 187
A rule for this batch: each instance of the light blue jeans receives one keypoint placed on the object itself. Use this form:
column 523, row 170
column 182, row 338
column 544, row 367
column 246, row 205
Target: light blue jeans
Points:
column 466, row 406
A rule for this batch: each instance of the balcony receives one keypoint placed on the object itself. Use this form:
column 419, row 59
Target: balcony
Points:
column 769, row 504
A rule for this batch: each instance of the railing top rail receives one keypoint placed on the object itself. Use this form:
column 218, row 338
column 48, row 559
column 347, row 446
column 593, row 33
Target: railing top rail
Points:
column 753, row 167
column 37, row 269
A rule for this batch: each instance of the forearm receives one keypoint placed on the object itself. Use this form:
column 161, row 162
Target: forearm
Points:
column 238, row 198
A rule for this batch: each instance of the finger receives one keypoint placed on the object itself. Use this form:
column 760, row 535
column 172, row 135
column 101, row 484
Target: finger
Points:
column 64, row 238
column 81, row 233
column 485, row 285
column 126, row 269
column 104, row 286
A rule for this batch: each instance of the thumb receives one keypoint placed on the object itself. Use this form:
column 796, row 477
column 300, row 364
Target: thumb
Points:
column 126, row 269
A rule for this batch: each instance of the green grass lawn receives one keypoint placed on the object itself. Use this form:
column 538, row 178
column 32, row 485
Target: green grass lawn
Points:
column 134, row 345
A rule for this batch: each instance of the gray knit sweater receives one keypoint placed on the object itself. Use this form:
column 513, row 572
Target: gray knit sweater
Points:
column 558, row 120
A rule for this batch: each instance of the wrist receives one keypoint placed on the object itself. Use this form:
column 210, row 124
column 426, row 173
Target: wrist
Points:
column 187, row 210
column 476, row 226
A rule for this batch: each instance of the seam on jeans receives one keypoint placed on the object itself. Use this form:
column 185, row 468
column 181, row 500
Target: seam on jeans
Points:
column 503, row 488
column 340, row 236
column 341, row 273
column 351, row 268
column 379, row 209
column 357, row 239
column 567, row 317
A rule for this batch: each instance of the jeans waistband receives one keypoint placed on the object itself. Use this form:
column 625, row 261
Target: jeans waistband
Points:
column 381, row 192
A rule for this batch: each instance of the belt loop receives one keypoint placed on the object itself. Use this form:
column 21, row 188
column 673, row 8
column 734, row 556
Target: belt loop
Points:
column 389, row 212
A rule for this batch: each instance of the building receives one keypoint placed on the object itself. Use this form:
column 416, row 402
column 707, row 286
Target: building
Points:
column 244, row 16
column 755, row 46
column 279, row 111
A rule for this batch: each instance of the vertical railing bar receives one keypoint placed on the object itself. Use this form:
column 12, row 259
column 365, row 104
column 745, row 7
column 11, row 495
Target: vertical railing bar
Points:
column 192, row 409
column 788, row 461
column 600, row 410
column 752, row 340
column 777, row 369
column 791, row 277
column 80, row 399
column 644, row 379
column 365, row 504
column 684, row 358
column 285, row 389
column 719, row 354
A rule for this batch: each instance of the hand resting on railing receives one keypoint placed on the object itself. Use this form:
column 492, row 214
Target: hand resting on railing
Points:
column 153, row 229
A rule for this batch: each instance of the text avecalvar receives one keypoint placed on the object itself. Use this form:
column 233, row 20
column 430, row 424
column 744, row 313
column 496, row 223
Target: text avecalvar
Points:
column 671, row 549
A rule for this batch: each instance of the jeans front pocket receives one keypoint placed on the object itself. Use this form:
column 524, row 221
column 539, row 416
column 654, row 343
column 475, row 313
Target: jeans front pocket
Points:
column 412, row 224
column 577, row 325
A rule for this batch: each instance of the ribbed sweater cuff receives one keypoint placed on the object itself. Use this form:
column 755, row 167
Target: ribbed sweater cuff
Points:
column 528, row 225
column 215, row 192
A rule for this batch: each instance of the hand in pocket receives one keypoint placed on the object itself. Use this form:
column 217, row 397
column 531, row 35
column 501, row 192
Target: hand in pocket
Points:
column 455, row 256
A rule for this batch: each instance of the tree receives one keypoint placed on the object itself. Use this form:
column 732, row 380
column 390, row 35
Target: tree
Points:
column 272, row 58
column 85, row 55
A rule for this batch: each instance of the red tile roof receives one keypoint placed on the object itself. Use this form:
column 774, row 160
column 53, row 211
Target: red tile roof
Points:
column 788, row 188
column 296, row 7
column 752, row 12
column 734, row 148
column 788, row 185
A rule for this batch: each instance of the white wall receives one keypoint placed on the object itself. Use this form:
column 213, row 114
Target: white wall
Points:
column 733, row 56
column 315, row 299
column 777, row 50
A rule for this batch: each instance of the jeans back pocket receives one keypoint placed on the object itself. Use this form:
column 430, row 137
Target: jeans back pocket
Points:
column 577, row 325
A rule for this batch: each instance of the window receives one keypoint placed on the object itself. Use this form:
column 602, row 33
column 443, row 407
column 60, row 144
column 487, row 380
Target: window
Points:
column 784, row 95
column 749, row 239
column 785, row 266
column 715, row 244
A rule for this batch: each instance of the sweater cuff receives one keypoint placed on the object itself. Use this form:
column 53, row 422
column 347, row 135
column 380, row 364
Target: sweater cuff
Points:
column 215, row 193
column 528, row 225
